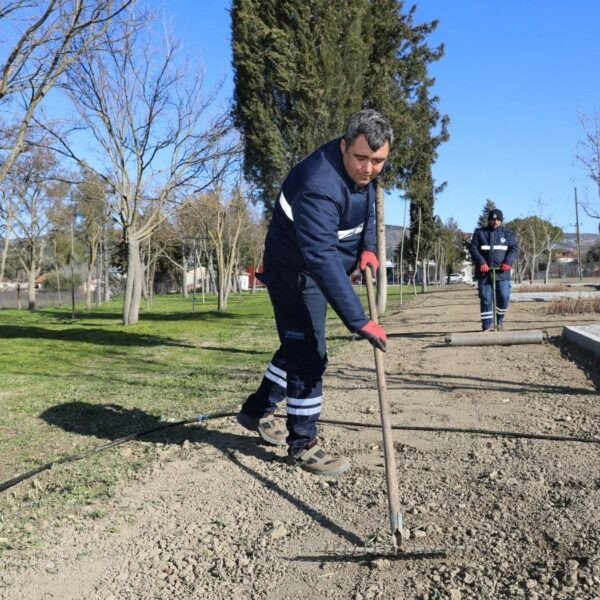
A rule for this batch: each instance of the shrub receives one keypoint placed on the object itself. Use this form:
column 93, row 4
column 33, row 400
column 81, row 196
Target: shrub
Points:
column 572, row 306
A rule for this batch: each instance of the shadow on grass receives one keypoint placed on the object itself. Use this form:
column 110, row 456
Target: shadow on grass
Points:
column 109, row 421
column 183, row 315
column 92, row 336
column 112, row 422
column 230, row 350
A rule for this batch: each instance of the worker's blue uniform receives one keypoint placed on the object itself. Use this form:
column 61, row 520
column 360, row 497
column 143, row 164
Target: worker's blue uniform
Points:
column 321, row 223
column 493, row 247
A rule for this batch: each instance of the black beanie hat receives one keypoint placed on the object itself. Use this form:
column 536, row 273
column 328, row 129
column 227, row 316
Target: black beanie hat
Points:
column 496, row 214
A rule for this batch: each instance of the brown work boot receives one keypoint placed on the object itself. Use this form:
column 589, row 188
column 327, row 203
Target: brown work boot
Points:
column 267, row 427
column 317, row 461
column 488, row 330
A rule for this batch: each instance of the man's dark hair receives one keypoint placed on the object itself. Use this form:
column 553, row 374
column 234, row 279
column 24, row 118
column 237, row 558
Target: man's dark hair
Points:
column 373, row 125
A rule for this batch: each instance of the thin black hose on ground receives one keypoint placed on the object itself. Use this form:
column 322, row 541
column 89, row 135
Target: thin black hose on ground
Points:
column 76, row 457
column 226, row 413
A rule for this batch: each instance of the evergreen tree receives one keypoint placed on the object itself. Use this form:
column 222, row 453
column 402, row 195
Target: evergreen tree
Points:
column 303, row 66
column 483, row 217
column 397, row 84
column 420, row 185
column 593, row 254
column 299, row 69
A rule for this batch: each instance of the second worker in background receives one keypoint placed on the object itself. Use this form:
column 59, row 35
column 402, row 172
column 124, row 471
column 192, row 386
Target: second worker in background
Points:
column 493, row 247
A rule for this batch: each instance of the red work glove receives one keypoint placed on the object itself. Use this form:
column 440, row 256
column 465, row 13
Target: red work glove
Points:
column 375, row 333
column 484, row 268
column 505, row 267
column 368, row 258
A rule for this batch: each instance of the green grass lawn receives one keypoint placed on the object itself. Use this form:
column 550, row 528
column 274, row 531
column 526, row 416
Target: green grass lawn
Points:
column 70, row 385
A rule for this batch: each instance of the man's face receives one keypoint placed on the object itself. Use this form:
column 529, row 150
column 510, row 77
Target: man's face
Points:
column 361, row 163
column 494, row 223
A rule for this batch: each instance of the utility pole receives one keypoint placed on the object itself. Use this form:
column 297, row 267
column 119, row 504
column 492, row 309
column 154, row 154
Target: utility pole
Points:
column 578, row 242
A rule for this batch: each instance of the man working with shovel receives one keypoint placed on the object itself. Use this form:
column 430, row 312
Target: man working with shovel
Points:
column 323, row 224
column 494, row 250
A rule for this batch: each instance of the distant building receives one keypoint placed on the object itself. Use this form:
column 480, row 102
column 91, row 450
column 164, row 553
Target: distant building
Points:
column 41, row 281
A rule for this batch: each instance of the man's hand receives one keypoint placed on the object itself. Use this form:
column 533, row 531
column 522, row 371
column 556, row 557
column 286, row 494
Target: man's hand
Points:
column 505, row 267
column 375, row 333
column 368, row 258
column 484, row 268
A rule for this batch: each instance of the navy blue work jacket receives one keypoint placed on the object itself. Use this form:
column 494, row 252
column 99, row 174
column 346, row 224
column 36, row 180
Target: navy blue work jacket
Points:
column 321, row 223
column 493, row 247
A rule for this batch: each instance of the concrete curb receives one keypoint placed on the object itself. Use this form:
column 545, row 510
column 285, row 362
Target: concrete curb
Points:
column 587, row 336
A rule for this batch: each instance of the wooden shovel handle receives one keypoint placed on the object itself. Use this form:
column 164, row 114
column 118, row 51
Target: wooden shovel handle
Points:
column 391, row 474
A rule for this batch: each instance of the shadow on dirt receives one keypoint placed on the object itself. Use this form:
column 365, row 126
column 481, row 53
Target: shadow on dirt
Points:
column 584, row 359
column 449, row 383
column 369, row 557
column 114, row 422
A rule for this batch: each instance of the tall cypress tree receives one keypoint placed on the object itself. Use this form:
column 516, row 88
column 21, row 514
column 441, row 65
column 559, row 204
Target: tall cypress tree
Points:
column 303, row 66
column 299, row 69
column 430, row 130
column 398, row 84
column 398, row 72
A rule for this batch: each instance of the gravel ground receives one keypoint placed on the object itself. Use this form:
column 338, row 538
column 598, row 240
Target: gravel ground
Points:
column 222, row 516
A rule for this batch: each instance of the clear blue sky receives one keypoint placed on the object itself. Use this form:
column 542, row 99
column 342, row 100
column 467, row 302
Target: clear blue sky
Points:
column 514, row 78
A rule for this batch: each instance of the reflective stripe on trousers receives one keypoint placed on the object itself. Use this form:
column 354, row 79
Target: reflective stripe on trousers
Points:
column 300, row 310
column 486, row 301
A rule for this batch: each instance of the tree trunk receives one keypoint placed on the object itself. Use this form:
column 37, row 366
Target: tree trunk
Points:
column 402, row 254
column 184, row 266
column 133, row 287
column 18, row 293
column 105, row 266
column 381, row 251
column 72, row 263
column 58, row 298
column 93, row 248
column 5, row 244
column 98, row 271
column 221, row 283
column 548, row 263
column 31, row 288
column 417, row 256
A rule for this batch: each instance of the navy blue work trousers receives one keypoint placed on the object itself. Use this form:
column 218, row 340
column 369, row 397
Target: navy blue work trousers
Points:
column 486, row 295
column 296, row 369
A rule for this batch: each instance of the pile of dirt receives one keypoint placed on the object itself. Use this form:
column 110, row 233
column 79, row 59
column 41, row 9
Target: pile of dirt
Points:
column 223, row 516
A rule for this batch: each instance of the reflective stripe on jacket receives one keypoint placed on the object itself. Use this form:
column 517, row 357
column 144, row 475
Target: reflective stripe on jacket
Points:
column 494, row 247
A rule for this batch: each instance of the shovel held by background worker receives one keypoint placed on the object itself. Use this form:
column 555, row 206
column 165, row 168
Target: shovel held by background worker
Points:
column 499, row 337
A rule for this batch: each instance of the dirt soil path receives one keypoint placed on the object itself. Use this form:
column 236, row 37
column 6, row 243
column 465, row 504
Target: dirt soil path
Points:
column 222, row 516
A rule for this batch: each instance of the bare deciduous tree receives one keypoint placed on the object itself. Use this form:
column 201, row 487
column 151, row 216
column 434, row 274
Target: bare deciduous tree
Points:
column 42, row 39
column 225, row 220
column 253, row 243
column 35, row 197
column 90, row 199
column 148, row 117
column 7, row 214
column 589, row 157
